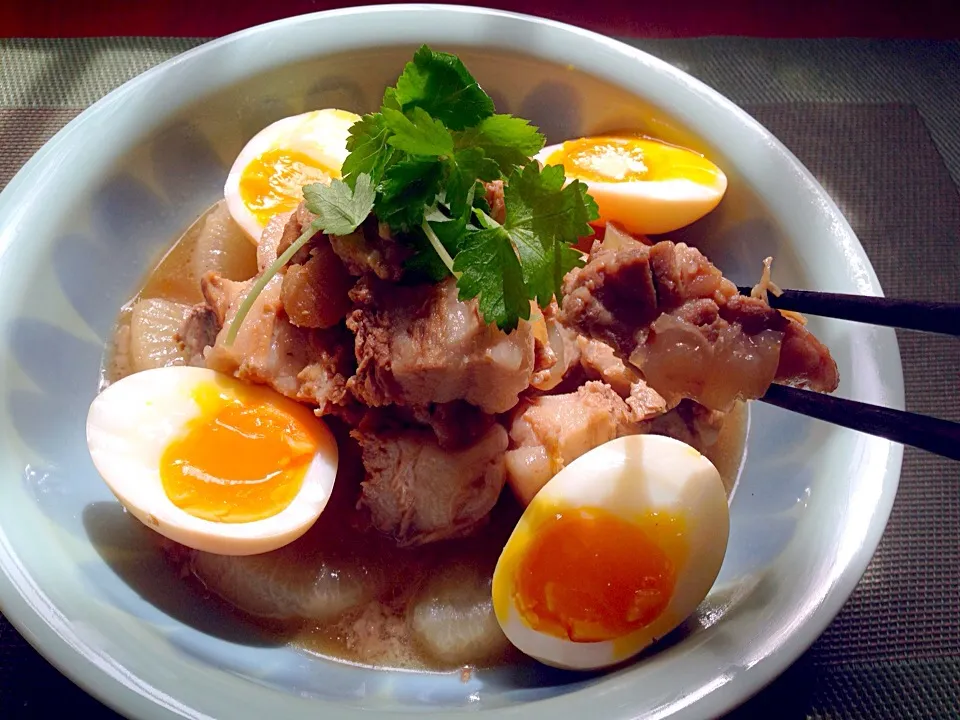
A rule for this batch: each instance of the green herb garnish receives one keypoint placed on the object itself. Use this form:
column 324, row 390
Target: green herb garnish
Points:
column 543, row 218
column 419, row 165
column 339, row 211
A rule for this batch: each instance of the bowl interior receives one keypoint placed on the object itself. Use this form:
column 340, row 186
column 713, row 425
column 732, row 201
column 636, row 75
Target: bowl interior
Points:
column 108, row 203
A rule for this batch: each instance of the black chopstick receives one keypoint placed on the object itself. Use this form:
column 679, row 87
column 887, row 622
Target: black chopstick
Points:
column 935, row 317
column 940, row 437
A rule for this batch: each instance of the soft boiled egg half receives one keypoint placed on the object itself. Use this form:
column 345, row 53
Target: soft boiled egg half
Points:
column 614, row 552
column 642, row 184
column 268, row 175
column 210, row 462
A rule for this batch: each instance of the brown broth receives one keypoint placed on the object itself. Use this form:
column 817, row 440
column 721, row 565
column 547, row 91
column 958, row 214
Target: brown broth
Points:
column 376, row 633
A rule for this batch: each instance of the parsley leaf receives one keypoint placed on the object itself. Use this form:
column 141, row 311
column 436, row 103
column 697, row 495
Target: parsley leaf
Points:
column 418, row 134
column 441, row 84
column 491, row 272
column 425, row 262
column 509, row 141
column 464, row 169
column 409, row 187
column 368, row 150
column 390, row 99
column 480, row 198
column 544, row 217
column 451, row 231
column 339, row 209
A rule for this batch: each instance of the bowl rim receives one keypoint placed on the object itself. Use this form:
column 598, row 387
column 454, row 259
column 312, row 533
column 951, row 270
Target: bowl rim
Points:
column 26, row 607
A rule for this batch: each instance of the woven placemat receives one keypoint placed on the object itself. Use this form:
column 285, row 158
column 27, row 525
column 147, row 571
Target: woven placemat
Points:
column 879, row 124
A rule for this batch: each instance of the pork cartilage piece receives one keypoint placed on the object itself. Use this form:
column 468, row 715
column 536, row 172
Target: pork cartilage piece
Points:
column 456, row 424
column 673, row 316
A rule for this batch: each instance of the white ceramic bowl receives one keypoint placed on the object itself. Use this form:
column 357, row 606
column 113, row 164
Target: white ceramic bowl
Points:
column 82, row 221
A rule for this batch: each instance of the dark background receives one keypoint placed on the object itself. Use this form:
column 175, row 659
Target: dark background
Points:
column 640, row 18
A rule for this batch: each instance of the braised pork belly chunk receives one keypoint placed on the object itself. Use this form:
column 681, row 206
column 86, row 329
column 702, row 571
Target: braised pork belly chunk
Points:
column 307, row 364
column 418, row 492
column 315, row 294
column 669, row 312
column 420, row 344
column 556, row 350
column 688, row 422
column 551, row 431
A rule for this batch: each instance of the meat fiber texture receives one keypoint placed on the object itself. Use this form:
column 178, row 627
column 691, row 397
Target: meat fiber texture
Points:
column 669, row 312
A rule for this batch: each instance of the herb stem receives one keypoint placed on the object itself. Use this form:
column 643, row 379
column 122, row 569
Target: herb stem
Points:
column 265, row 278
column 438, row 246
column 484, row 219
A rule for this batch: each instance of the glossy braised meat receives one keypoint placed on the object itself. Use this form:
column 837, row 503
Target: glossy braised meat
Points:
column 315, row 294
column 455, row 424
column 419, row 493
column 688, row 422
column 671, row 313
column 549, row 432
column 600, row 362
column 370, row 249
column 556, row 352
column 417, row 345
column 309, row 365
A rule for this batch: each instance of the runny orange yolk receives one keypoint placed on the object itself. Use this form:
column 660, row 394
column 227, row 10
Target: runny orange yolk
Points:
column 588, row 575
column 626, row 159
column 272, row 183
column 242, row 459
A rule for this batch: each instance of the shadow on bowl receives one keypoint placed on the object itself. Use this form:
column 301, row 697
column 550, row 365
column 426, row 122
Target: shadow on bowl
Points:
column 133, row 552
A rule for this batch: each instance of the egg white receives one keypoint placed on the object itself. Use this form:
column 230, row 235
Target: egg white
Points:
column 628, row 476
column 319, row 134
column 130, row 425
column 651, row 207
